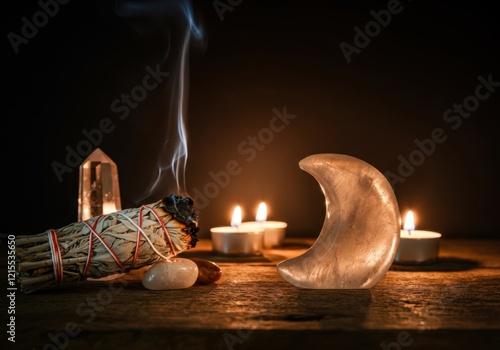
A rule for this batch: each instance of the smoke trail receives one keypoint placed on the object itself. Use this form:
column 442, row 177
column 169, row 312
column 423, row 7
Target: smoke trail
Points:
column 165, row 15
column 179, row 160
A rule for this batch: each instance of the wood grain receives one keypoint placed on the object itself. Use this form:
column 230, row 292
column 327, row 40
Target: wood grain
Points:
column 453, row 304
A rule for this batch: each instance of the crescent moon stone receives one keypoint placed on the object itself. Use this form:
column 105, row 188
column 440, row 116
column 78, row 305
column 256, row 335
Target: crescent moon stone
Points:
column 361, row 231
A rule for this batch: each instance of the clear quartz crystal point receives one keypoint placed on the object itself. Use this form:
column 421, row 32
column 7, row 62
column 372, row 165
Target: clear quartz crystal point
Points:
column 99, row 190
column 360, row 234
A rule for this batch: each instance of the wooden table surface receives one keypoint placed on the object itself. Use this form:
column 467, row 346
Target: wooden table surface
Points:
column 453, row 304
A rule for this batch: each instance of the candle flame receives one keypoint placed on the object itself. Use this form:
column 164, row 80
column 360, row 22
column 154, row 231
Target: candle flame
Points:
column 261, row 213
column 236, row 219
column 409, row 221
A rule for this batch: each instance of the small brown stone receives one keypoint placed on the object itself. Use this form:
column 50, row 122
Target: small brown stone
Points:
column 208, row 271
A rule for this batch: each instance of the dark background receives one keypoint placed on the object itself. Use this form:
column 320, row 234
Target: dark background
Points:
column 262, row 55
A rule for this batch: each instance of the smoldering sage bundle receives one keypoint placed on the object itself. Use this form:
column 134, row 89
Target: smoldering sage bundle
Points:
column 105, row 245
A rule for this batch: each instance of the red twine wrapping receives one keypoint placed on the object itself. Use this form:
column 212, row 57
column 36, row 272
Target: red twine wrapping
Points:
column 56, row 252
column 91, row 242
column 108, row 248
column 56, row 256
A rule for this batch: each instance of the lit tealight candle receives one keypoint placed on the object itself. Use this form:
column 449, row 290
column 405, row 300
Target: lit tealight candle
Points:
column 236, row 239
column 274, row 231
column 417, row 246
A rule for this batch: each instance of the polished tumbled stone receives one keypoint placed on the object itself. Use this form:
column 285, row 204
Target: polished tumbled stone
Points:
column 208, row 271
column 175, row 273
